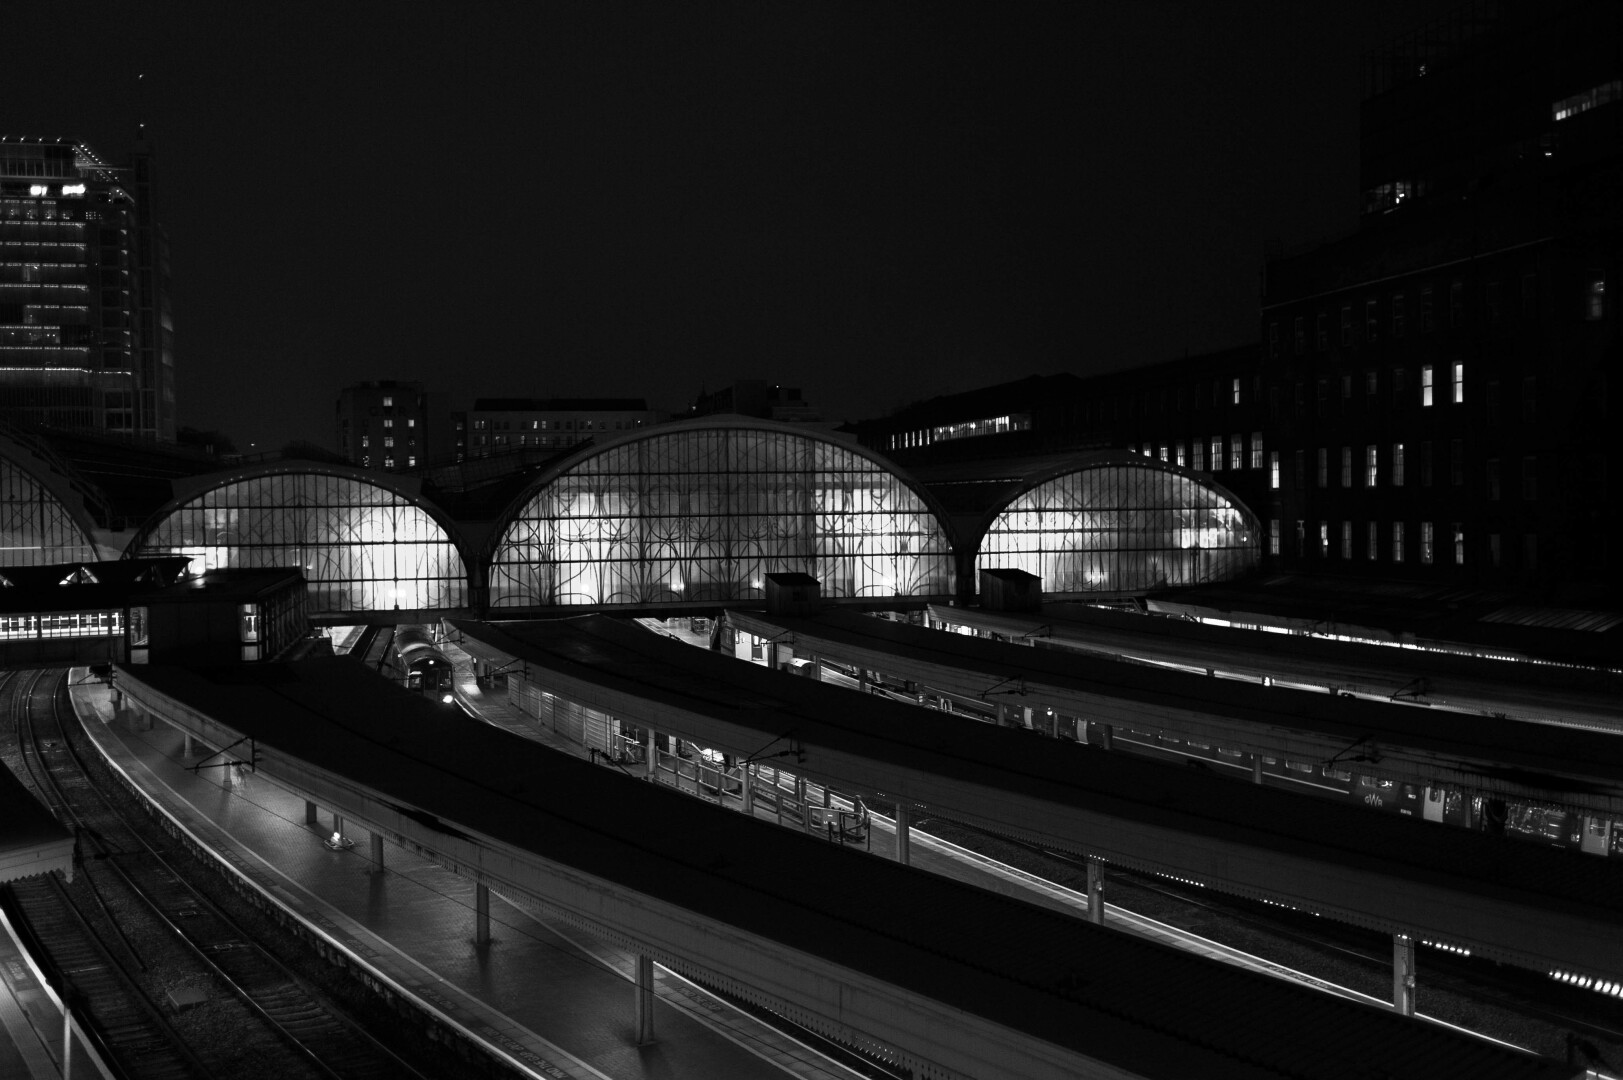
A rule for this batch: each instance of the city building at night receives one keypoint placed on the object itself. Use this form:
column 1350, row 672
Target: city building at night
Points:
column 392, row 426
column 758, row 398
column 498, row 425
column 1429, row 397
column 86, row 334
column 1439, row 379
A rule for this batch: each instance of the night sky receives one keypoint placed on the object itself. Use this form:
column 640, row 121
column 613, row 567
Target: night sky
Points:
column 877, row 202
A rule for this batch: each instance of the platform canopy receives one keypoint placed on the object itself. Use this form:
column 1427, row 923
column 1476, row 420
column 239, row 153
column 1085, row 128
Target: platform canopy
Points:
column 702, row 511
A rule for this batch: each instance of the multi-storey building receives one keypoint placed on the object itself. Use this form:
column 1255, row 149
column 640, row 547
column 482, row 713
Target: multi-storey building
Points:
column 392, row 425
column 86, row 336
column 1441, row 376
column 497, row 425
column 756, row 397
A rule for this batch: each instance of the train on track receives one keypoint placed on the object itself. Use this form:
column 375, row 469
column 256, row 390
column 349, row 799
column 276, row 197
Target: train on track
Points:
column 1542, row 824
column 418, row 664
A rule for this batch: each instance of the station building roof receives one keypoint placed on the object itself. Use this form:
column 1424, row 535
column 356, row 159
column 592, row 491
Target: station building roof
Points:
column 1138, row 1006
column 108, row 585
column 86, row 586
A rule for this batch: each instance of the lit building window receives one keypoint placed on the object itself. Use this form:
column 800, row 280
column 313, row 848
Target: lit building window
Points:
column 1370, row 466
column 1324, row 539
column 1256, row 449
column 1198, row 461
column 1459, row 543
column 1273, row 470
column 1180, row 459
column 1273, row 536
column 1459, row 382
column 1397, row 464
column 1397, row 541
column 1425, row 543
column 1217, row 452
column 1593, row 98
column 1346, row 540
column 1236, row 451
column 1595, row 296
column 388, row 422
column 1346, row 466
column 1164, row 453
column 996, row 425
column 1236, row 391
column 1425, row 384
column 1374, row 549
column 388, row 401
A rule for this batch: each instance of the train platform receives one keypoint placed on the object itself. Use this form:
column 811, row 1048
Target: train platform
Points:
column 30, row 1017
column 552, row 1001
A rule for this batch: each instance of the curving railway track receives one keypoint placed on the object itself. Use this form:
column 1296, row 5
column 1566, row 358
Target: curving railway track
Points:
column 135, row 947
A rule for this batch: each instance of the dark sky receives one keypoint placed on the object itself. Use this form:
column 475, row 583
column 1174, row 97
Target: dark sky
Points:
column 878, row 202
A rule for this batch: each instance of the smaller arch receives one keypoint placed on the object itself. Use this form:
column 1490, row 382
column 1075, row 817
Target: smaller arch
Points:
column 1114, row 522
column 42, row 519
column 366, row 541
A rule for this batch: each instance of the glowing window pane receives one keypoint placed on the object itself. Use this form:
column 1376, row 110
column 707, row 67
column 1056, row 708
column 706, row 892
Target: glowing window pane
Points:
column 703, row 514
column 1121, row 527
column 361, row 547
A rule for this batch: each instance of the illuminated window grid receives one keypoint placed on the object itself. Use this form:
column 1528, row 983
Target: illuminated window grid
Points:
column 63, row 624
column 705, row 514
column 1121, row 528
column 361, row 546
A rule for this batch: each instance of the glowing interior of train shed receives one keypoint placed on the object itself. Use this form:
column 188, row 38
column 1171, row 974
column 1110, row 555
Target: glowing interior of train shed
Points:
column 691, row 513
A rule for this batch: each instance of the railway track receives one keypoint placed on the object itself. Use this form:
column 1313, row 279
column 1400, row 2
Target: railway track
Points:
column 131, row 914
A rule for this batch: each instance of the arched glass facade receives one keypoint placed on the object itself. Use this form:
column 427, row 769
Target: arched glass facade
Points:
column 362, row 547
column 1122, row 527
column 703, row 513
column 36, row 529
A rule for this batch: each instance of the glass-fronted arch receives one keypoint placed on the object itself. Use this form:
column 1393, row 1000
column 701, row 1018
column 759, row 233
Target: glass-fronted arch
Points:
column 1122, row 524
column 362, row 546
column 38, row 526
column 702, row 511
